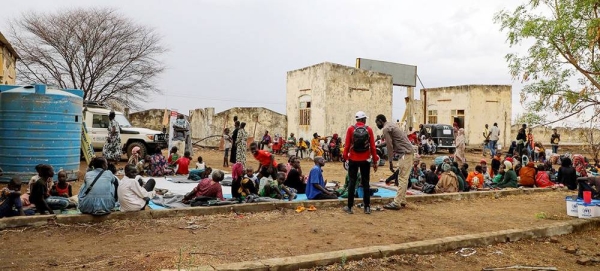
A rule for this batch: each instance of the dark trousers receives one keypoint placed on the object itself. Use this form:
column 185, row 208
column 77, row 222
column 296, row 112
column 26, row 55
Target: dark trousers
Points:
column 365, row 171
column 554, row 148
column 393, row 177
column 324, row 196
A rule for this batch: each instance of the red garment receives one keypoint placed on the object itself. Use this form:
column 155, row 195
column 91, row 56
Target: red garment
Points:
column 413, row 138
column 264, row 158
column 527, row 175
column 184, row 165
column 208, row 188
column 278, row 144
column 64, row 191
column 350, row 154
column 543, row 180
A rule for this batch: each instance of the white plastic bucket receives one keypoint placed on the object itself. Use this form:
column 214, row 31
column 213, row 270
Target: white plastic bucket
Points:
column 572, row 208
column 587, row 210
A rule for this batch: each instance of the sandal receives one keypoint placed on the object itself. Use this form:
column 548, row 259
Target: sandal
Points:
column 312, row 208
column 300, row 209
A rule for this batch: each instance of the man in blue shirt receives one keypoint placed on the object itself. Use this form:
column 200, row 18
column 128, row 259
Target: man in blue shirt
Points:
column 315, row 187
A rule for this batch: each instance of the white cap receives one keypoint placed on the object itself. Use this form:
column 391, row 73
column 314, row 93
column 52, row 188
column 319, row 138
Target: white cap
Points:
column 361, row 115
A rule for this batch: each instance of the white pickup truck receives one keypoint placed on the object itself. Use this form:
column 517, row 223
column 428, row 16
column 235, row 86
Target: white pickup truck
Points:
column 96, row 121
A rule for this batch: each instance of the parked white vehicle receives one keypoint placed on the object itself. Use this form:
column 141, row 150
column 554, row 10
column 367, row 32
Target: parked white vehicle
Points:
column 96, row 121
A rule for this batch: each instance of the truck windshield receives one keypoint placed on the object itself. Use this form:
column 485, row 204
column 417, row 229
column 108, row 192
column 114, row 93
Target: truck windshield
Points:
column 122, row 120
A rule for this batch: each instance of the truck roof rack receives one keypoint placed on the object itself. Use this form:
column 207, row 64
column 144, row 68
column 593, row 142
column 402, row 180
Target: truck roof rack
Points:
column 94, row 104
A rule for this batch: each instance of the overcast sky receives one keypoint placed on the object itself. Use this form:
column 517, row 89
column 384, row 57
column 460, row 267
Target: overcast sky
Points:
column 225, row 54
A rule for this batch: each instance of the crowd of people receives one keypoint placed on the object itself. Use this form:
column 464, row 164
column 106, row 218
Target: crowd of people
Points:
column 102, row 192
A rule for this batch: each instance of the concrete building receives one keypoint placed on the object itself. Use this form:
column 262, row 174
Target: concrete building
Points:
column 8, row 62
column 471, row 106
column 324, row 98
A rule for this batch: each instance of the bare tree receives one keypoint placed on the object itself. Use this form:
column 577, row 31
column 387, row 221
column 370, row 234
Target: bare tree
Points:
column 100, row 51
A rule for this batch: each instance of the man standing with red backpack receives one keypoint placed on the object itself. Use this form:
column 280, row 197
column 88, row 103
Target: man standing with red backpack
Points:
column 360, row 147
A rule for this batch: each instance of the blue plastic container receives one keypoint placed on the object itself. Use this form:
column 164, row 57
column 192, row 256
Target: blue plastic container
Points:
column 39, row 126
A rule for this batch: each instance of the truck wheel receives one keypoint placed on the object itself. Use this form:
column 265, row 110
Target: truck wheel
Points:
column 142, row 146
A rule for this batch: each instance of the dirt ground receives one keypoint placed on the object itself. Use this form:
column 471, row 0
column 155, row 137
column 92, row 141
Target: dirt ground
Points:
column 547, row 252
column 167, row 243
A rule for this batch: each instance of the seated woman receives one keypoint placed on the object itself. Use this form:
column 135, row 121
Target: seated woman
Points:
column 567, row 174
column 97, row 195
column 542, row 179
column 510, row 177
column 527, row 175
column 207, row 187
column 448, row 182
column 132, row 196
column 158, row 164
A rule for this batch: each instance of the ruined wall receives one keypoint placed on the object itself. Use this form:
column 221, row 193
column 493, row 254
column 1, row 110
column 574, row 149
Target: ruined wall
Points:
column 209, row 126
column 568, row 136
column 151, row 119
column 206, row 124
column 8, row 63
column 481, row 104
column 337, row 93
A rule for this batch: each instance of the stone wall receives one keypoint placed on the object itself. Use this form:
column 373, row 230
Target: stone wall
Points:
column 208, row 126
column 151, row 119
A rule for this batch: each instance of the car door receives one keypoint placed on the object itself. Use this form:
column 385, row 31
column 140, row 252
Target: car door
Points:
column 99, row 130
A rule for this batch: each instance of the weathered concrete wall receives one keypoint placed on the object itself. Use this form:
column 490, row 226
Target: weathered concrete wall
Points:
column 151, row 119
column 337, row 93
column 568, row 136
column 205, row 123
column 8, row 63
column 482, row 104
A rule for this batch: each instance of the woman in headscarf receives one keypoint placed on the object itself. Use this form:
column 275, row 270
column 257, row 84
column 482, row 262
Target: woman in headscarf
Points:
column 241, row 144
column 448, row 181
column 567, row 174
column 459, row 155
column 510, row 177
column 112, row 148
column 234, row 136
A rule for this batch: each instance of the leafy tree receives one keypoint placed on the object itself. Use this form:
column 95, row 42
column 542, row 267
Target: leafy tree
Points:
column 561, row 68
column 108, row 56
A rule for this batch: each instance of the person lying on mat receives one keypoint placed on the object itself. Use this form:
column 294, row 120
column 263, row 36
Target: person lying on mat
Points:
column 132, row 195
column 208, row 187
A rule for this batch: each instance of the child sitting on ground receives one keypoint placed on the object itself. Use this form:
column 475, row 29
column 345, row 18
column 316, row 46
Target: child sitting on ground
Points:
column 200, row 165
column 271, row 188
column 63, row 189
column 10, row 199
column 183, row 164
column 39, row 190
column 173, row 156
column 250, row 175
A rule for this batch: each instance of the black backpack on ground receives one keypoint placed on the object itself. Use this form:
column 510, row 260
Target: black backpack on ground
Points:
column 360, row 139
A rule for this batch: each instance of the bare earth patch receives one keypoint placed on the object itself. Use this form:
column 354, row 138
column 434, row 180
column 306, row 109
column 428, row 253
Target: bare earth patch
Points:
column 192, row 241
